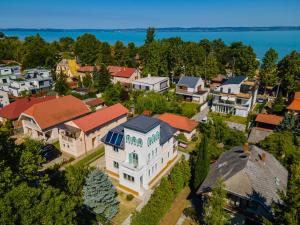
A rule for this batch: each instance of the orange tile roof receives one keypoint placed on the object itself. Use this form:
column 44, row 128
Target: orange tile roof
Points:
column 179, row 122
column 84, row 69
column 295, row 104
column 101, row 117
column 59, row 110
column 269, row 119
column 121, row 71
column 14, row 109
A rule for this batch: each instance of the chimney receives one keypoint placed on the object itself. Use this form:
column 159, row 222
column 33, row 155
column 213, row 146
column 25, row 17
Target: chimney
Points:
column 263, row 157
column 246, row 148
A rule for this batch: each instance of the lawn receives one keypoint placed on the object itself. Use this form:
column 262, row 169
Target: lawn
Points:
column 91, row 157
column 126, row 208
column 189, row 109
column 192, row 145
column 179, row 204
column 229, row 118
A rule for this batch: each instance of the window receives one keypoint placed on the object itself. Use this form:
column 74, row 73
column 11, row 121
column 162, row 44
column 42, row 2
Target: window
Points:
column 162, row 160
column 156, row 152
column 116, row 165
column 116, row 149
column 221, row 89
column 155, row 166
column 152, row 154
column 229, row 90
column 149, row 173
column 149, row 156
column 128, row 177
column 133, row 159
column 147, row 88
column 168, row 154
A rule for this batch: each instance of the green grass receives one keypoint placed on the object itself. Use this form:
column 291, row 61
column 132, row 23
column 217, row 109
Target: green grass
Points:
column 229, row 118
column 91, row 157
column 189, row 109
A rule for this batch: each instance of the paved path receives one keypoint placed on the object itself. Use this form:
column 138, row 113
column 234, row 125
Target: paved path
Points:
column 201, row 115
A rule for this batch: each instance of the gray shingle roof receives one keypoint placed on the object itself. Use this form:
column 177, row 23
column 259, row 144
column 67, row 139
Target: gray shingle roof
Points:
column 235, row 80
column 248, row 176
column 188, row 81
column 142, row 123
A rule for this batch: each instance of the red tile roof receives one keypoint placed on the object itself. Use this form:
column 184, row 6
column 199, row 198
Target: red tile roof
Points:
column 14, row 109
column 179, row 122
column 94, row 102
column 269, row 119
column 120, row 71
column 100, row 117
column 295, row 104
column 59, row 110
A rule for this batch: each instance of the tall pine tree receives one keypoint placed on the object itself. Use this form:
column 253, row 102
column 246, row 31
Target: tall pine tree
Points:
column 201, row 164
column 100, row 195
column 101, row 78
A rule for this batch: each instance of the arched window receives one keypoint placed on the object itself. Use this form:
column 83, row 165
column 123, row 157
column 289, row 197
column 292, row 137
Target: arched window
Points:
column 133, row 159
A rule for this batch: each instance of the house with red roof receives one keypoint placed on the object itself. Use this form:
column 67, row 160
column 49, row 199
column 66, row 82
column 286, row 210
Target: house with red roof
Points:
column 181, row 123
column 294, row 106
column 79, row 136
column 12, row 111
column 41, row 120
column 124, row 75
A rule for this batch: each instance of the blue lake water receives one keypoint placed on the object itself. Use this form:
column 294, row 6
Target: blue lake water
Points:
column 283, row 41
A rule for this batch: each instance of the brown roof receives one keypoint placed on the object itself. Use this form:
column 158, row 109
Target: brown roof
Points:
column 84, row 69
column 269, row 119
column 94, row 102
column 179, row 122
column 14, row 109
column 121, row 71
column 53, row 112
column 101, row 117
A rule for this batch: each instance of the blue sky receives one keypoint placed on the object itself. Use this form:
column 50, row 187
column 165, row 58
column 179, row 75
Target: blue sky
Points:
column 139, row 13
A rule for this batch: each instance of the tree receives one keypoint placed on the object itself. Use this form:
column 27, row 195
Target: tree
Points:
column 152, row 101
column 102, row 78
column 61, row 85
column 100, row 195
column 177, row 179
column 214, row 212
column 201, row 163
column 150, row 36
column 120, row 54
column 2, row 35
column 289, row 211
column 105, row 55
column 278, row 105
column 30, row 206
column 268, row 71
column 112, row 94
column 87, row 47
column 87, row 80
column 66, row 44
column 289, row 70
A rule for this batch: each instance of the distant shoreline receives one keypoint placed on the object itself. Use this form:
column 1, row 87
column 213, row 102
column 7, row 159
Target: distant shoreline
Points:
column 166, row 29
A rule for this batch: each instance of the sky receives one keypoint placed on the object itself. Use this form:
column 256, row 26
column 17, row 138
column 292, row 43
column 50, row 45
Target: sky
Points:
column 140, row 14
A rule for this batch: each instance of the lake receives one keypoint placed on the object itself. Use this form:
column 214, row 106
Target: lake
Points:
column 283, row 41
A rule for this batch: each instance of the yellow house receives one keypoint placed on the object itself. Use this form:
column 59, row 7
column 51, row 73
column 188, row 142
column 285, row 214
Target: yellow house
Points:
column 68, row 67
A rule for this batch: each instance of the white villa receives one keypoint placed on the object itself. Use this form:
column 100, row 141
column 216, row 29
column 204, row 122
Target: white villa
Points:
column 192, row 89
column 137, row 151
column 236, row 96
column 156, row 84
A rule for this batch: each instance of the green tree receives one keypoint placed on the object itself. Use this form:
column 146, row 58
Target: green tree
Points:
column 153, row 101
column 2, row 35
column 100, row 195
column 278, row 105
column 61, row 85
column 177, row 178
column 87, row 47
column 113, row 94
column 66, row 44
column 201, row 163
column 289, row 211
column 214, row 212
column 101, row 78
column 120, row 54
column 150, row 36
column 87, row 80
column 288, row 71
column 105, row 56
column 268, row 70
column 29, row 206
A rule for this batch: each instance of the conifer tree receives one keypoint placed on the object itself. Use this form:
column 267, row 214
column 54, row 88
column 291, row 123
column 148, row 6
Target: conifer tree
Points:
column 100, row 195
column 201, row 164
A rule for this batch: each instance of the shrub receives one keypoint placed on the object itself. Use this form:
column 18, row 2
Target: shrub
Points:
column 129, row 197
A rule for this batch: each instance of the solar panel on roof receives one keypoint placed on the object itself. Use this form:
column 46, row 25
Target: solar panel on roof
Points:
column 113, row 139
column 108, row 137
column 119, row 140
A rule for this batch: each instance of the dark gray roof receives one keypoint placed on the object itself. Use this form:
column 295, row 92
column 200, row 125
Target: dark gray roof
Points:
column 235, row 80
column 247, row 175
column 141, row 123
column 166, row 131
column 188, row 81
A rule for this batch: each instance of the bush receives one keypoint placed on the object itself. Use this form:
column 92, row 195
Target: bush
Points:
column 129, row 197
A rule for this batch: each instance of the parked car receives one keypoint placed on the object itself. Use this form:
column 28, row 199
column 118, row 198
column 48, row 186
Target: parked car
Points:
column 49, row 152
